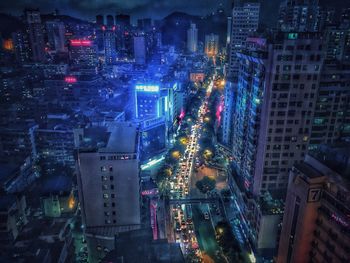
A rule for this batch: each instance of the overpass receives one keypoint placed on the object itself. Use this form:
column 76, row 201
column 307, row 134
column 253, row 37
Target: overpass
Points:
column 192, row 201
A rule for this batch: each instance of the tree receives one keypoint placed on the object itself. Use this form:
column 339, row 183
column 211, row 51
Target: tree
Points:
column 206, row 184
column 228, row 242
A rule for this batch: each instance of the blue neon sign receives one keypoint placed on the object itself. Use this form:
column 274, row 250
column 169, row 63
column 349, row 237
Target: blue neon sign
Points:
column 147, row 88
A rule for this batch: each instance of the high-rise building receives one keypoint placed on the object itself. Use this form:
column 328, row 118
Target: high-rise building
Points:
column 274, row 108
column 192, row 38
column 110, row 21
column 211, row 45
column 83, row 52
column 108, row 184
column 147, row 101
column 331, row 120
column 316, row 219
column 298, row 16
column 21, row 47
column 109, row 39
column 229, row 29
column 152, row 138
column 337, row 42
column 36, row 35
column 100, row 21
column 122, row 21
column 144, row 24
column 245, row 21
column 140, row 54
column 56, row 35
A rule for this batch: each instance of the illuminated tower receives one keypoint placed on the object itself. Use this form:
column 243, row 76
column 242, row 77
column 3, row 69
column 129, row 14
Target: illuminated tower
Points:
column 192, row 38
column 147, row 101
column 211, row 45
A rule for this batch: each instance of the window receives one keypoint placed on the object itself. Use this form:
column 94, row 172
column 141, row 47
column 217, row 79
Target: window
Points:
column 111, row 178
column 103, row 168
column 105, row 196
column 111, row 168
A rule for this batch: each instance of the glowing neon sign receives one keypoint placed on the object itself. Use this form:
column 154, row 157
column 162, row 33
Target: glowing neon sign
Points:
column 80, row 43
column 147, row 88
column 70, row 79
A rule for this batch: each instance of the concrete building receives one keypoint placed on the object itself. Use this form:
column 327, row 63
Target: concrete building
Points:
column 13, row 217
column 274, row 108
column 331, row 120
column 108, row 184
column 21, row 47
column 245, row 21
column 298, row 16
column 192, row 38
column 140, row 54
column 83, row 53
column 316, row 219
column 109, row 41
column 36, row 35
column 56, row 35
column 18, row 141
column 211, row 48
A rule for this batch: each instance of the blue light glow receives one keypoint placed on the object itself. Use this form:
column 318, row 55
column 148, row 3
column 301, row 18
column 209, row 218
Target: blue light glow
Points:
column 147, row 88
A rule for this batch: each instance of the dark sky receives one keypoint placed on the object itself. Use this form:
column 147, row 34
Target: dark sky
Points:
column 137, row 8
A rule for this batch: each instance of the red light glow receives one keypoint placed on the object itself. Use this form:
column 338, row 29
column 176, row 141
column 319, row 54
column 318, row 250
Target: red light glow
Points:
column 70, row 79
column 80, row 43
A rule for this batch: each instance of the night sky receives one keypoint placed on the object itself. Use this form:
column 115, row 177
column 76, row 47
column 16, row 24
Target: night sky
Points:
column 157, row 9
column 137, row 8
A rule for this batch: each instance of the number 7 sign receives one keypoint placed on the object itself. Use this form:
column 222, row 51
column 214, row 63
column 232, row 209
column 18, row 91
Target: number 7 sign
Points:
column 314, row 195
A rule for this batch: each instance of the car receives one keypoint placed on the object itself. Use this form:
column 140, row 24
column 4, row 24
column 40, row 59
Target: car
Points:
column 206, row 216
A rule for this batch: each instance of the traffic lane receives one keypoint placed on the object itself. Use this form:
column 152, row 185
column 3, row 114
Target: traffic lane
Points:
column 205, row 234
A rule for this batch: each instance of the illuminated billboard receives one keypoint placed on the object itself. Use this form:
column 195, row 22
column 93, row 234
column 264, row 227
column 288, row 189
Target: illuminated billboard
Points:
column 70, row 79
column 147, row 88
column 80, row 43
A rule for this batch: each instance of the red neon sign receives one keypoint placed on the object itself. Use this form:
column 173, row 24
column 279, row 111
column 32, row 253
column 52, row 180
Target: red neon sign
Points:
column 80, row 43
column 70, row 79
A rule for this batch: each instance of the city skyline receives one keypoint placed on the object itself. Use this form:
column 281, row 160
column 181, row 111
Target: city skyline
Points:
column 219, row 133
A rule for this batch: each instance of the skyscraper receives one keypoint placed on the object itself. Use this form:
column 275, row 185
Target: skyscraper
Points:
column 192, row 38
column 110, row 21
column 274, row 108
column 211, row 45
column 21, row 47
column 55, row 33
column 100, row 20
column 245, row 21
column 109, row 39
column 299, row 15
column 83, row 52
column 36, row 36
column 140, row 50
column 122, row 21
column 108, row 184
